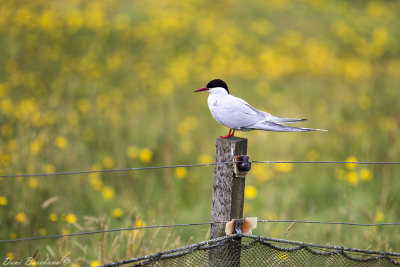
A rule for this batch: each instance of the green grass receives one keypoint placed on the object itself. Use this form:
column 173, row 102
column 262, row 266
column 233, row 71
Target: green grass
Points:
column 102, row 85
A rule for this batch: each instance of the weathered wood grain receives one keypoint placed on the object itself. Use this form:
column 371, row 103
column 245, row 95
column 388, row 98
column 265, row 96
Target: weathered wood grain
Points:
column 228, row 190
column 227, row 200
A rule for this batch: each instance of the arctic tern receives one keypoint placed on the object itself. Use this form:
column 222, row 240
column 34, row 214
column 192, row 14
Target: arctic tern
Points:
column 238, row 115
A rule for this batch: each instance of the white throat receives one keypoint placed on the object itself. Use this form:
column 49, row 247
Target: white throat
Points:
column 216, row 94
column 217, row 91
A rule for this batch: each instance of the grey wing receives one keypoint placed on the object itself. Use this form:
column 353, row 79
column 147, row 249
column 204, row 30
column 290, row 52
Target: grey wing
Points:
column 236, row 113
column 275, row 119
column 271, row 126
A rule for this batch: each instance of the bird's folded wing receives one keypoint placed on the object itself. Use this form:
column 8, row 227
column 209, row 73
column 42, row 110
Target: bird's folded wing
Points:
column 271, row 126
column 236, row 113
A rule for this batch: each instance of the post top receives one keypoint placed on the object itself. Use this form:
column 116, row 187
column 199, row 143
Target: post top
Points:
column 231, row 139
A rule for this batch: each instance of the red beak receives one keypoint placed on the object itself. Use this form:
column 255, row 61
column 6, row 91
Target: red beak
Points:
column 202, row 89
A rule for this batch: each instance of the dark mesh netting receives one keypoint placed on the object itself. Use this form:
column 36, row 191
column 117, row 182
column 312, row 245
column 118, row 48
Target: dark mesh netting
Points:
column 247, row 250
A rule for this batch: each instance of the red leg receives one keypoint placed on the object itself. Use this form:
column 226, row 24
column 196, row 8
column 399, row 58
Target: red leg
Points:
column 231, row 133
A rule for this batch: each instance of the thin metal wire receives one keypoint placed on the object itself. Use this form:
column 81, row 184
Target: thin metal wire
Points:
column 328, row 162
column 316, row 222
column 113, row 170
column 103, row 231
column 195, row 165
column 187, row 224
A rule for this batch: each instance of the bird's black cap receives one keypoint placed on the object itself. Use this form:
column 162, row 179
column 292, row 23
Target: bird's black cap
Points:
column 217, row 83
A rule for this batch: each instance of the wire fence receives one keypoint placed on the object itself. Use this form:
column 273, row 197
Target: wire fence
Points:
column 196, row 165
column 191, row 224
column 113, row 170
column 330, row 162
column 250, row 250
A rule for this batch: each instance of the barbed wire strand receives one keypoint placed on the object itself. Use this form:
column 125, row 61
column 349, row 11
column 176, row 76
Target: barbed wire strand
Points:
column 194, row 165
column 189, row 224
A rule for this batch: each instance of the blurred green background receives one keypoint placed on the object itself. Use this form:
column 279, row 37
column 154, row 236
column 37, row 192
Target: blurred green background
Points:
column 89, row 85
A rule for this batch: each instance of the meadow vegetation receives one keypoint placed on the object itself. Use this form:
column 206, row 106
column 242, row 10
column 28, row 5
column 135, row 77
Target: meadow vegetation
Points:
column 90, row 85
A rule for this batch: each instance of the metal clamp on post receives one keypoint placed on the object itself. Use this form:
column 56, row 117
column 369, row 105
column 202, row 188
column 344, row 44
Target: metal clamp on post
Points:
column 241, row 165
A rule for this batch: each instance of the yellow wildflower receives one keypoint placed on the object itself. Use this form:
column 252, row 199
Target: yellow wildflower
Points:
column 6, row 106
column 388, row 124
column 20, row 217
column 49, row 168
column 95, row 263
column 36, row 146
column 95, row 167
column 75, row 21
column 379, row 217
column 365, row 174
column 272, row 216
column 13, row 235
column 261, row 173
column 181, row 172
column 95, row 16
column 107, row 192
column 61, row 142
column 3, row 201
column 4, row 159
column 108, row 162
column 186, row 146
column 70, row 218
column 47, row 20
column 95, row 181
column 33, row 182
column 83, row 105
column 187, row 125
column 250, row 191
column 283, row 167
column 10, row 255
column 205, row 158
column 42, row 232
column 352, row 178
column 31, row 262
column 12, row 145
column 64, row 231
column 351, row 166
column 145, row 155
column 53, row 217
column 117, row 213
column 132, row 152
column 114, row 62
column 375, row 9
column 140, row 223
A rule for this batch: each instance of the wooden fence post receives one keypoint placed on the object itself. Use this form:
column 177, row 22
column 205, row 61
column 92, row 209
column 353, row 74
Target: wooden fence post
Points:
column 228, row 194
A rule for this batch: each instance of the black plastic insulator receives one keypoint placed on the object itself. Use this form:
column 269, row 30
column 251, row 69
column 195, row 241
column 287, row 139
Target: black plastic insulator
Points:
column 244, row 165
